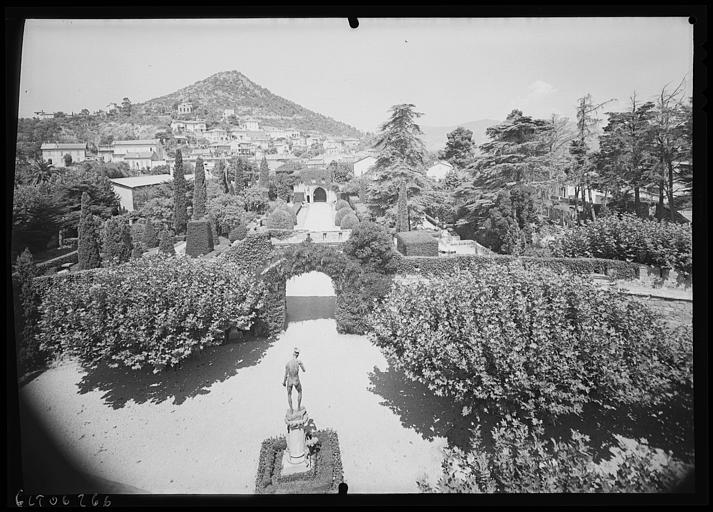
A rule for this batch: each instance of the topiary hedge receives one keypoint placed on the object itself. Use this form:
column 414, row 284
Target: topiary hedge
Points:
column 444, row 266
column 280, row 219
column 416, row 243
column 199, row 238
column 535, row 341
column 239, row 232
column 341, row 203
column 349, row 221
column 153, row 311
column 630, row 238
column 340, row 214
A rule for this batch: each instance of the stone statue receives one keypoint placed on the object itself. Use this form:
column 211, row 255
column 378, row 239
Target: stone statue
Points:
column 292, row 378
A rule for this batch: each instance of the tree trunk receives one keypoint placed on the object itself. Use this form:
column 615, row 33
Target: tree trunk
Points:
column 591, row 203
column 661, row 188
column 670, row 191
column 637, row 201
column 576, row 204
column 585, row 206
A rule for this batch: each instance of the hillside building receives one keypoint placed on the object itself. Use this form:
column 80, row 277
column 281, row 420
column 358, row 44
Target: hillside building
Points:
column 185, row 108
column 123, row 147
column 314, row 186
column 43, row 115
column 227, row 112
column 53, row 153
column 439, row 170
column 251, row 125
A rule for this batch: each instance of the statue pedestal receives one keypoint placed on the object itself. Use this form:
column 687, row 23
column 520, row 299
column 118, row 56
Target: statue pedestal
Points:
column 295, row 458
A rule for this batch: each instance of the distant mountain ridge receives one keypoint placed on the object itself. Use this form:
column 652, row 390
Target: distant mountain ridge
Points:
column 233, row 90
column 434, row 137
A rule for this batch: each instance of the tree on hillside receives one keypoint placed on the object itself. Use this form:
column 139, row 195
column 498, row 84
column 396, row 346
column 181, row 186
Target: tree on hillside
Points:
column 460, row 149
column 180, row 203
column 264, row 173
column 582, row 172
column 400, row 159
column 200, row 194
column 126, row 106
column 672, row 134
column 626, row 147
column 88, row 243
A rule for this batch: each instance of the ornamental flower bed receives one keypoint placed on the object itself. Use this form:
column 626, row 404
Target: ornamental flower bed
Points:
column 534, row 341
column 324, row 476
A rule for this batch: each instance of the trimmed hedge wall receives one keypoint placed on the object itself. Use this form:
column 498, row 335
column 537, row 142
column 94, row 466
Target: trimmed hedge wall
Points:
column 444, row 266
column 280, row 219
column 340, row 214
column 199, row 238
column 324, row 476
column 416, row 243
column 341, row 203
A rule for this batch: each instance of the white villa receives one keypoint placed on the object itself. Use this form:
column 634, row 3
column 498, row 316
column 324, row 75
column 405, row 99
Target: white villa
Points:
column 53, row 153
column 314, row 186
column 131, row 189
column 185, row 108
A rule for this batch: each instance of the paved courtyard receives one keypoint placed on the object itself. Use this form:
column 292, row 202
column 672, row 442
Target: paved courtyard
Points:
column 317, row 217
column 198, row 429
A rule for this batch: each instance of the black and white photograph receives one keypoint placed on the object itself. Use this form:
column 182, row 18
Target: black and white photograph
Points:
column 364, row 256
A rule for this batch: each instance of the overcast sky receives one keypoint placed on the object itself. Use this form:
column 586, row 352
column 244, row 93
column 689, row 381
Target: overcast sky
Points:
column 453, row 70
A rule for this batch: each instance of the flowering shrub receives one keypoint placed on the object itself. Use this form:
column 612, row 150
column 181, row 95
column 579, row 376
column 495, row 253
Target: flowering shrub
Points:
column 538, row 341
column 153, row 311
column 630, row 238
column 521, row 461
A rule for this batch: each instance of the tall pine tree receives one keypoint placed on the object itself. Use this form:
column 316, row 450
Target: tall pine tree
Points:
column 199, row 191
column 88, row 243
column 180, row 202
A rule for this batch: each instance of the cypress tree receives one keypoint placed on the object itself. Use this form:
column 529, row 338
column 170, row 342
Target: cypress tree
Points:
column 221, row 171
column 239, row 176
column 402, row 213
column 165, row 246
column 88, row 244
column 180, row 203
column 26, row 311
column 264, row 173
column 199, row 191
column 117, row 241
column 137, row 251
column 150, row 238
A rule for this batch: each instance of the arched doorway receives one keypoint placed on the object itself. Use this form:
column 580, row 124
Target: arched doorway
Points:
column 320, row 195
column 310, row 296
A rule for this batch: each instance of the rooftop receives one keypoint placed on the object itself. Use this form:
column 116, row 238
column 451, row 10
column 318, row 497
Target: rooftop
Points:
column 135, row 142
column 142, row 155
column 53, row 145
column 142, row 181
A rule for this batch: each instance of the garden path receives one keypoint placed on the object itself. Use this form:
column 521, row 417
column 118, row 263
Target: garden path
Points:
column 199, row 429
column 318, row 217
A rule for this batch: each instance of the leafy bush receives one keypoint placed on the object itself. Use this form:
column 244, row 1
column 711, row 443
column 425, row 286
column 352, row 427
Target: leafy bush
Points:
column 117, row 240
column 521, row 461
column 417, row 243
column 151, row 311
column 280, row 219
column 89, row 240
column 444, row 266
column 371, row 245
column 341, row 203
column 630, row 238
column 357, row 297
column 349, row 221
column 26, row 300
column 237, row 233
column 255, row 199
column 228, row 211
column 538, row 341
column 165, row 246
column 137, row 251
column 340, row 214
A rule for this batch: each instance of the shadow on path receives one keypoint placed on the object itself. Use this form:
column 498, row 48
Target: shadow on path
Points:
column 429, row 415
column 193, row 377
column 300, row 309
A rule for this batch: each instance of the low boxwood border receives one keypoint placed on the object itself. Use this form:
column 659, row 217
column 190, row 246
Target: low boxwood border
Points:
column 446, row 265
column 324, row 477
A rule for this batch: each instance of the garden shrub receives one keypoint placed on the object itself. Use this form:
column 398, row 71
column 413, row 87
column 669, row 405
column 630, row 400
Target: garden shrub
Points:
column 630, row 238
column 340, row 214
column 444, row 266
column 165, row 246
column 341, row 203
column 149, row 312
column 280, row 219
column 539, row 341
column 237, row 233
column 117, row 240
column 150, row 238
column 357, row 297
column 349, row 221
column 137, row 251
column 227, row 210
column 520, row 460
column 26, row 300
column 417, row 243
column 252, row 253
column 371, row 245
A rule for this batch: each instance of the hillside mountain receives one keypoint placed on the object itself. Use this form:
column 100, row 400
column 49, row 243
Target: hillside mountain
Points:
column 434, row 137
column 233, row 90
